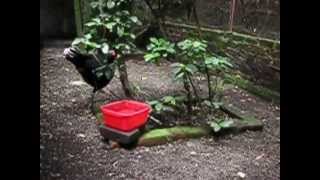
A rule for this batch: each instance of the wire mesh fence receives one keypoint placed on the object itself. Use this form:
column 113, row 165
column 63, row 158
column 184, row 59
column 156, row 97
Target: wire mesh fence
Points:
column 255, row 17
column 246, row 31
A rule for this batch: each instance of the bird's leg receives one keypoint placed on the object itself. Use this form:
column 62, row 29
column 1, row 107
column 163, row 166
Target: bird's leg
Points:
column 92, row 101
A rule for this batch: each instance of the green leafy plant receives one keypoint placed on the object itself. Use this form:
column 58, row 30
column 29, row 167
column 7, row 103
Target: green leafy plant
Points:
column 110, row 27
column 158, row 48
column 220, row 124
column 167, row 103
column 193, row 49
column 193, row 58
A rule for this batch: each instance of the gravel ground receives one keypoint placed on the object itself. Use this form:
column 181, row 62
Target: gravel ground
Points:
column 71, row 146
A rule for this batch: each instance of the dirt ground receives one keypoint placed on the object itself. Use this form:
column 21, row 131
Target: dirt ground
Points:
column 72, row 148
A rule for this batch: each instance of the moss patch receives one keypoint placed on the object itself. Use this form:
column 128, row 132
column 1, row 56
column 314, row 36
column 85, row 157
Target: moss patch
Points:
column 160, row 136
column 260, row 91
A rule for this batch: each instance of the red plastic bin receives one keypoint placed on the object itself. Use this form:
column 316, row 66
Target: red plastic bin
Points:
column 125, row 115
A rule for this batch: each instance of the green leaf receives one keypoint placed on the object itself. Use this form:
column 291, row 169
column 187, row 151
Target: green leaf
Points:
column 208, row 103
column 154, row 40
column 180, row 98
column 191, row 68
column 120, row 31
column 88, row 36
column 93, row 44
column 94, row 4
column 216, row 127
column 168, row 99
column 97, row 20
column 110, row 25
column 77, row 41
column 196, row 44
column 176, row 70
column 132, row 36
column 153, row 102
column 89, row 24
column 105, row 48
column 110, row 4
column 176, row 65
column 159, row 107
column 151, row 56
column 134, row 19
column 226, row 123
column 217, row 105
column 180, row 75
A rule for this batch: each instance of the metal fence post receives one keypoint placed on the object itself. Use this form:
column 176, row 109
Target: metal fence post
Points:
column 78, row 17
column 232, row 9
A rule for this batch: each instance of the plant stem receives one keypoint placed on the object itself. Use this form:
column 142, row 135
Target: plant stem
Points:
column 216, row 87
column 189, row 98
column 193, row 87
column 209, row 84
column 124, row 78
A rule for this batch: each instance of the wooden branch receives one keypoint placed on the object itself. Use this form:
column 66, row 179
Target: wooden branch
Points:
column 277, row 69
column 156, row 120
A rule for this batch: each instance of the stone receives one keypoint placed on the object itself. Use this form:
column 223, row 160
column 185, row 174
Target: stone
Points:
column 119, row 136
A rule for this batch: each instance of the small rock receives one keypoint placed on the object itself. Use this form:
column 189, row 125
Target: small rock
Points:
column 189, row 144
column 54, row 103
column 241, row 175
column 278, row 118
column 69, row 123
column 55, row 174
column 193, row 153
column 114, row 145
column 73, row 100
column 259, row 157
column 41, row 147
column 70, row 155
column 81, row 135
column 77, row 83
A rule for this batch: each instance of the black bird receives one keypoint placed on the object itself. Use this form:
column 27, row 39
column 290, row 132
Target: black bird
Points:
column 94, row 72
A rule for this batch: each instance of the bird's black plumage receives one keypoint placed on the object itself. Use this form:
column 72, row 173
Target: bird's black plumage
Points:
column 89, row 67
column 95, row 73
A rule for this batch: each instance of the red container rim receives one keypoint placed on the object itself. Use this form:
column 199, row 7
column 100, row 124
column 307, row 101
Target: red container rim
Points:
column 104, row 108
